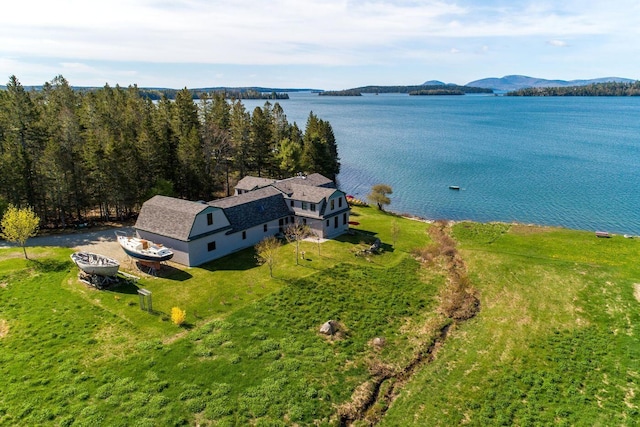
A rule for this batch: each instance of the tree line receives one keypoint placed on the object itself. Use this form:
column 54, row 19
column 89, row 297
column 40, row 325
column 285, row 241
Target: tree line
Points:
column 71, row 154
column 594, row 89
column 411, row 90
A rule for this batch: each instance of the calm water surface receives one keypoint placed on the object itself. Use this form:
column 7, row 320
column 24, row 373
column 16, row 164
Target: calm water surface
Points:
column 572, row 162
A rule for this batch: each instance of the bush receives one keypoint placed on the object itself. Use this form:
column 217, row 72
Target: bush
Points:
column 178, row 316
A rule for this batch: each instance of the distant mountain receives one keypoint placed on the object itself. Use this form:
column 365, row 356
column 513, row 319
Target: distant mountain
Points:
column 516, row 82
column 434, row 83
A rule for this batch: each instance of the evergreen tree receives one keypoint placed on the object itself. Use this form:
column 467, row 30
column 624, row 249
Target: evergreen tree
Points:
column 68, row 152
column 320, row 153
column 216, row 141
column 240, row 137
column 191, row 165
column 62, row 167
column 22, row 146
column 262, row 153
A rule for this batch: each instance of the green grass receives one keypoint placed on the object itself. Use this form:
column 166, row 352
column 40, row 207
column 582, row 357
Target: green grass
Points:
column 555, row 341
column 72, row 355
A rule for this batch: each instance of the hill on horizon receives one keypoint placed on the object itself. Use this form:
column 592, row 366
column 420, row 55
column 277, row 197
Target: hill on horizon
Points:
column 506, row 83
column 515, row 82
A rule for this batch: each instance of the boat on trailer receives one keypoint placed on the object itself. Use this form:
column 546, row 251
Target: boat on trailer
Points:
column 143, row 249
column 95, row 264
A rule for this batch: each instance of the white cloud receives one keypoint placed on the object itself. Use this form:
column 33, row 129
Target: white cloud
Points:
column 327, row 33
column 77, row 66
column 557, row 43
column 271, row 32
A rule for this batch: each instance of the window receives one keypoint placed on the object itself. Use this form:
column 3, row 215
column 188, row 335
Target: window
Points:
column 304, row 205
column 333, row 204
column 335, row 222
column 211, row 246
column 340, row 202
column 244, row 235
column 313, row 207
column 304, row 221
column 209, row 218
column 292, row 203
column 265, row 228
column 327, row 223
column 344, row 219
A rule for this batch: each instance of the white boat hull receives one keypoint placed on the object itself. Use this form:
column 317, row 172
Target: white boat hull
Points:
column 144, row 250
column 97, row 264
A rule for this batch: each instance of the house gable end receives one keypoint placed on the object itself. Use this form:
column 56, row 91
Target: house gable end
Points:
column 168, row 216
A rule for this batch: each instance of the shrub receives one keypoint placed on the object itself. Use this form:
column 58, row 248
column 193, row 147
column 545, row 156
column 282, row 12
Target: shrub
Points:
column 178, row 316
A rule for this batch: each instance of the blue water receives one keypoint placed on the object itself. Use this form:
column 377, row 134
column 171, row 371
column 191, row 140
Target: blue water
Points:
column 572, row 162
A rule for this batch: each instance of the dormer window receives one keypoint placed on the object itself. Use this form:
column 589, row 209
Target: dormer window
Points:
column 210, row 218
column 340, row 202
column 313, row 207
column 333, row 204
column 304, row 205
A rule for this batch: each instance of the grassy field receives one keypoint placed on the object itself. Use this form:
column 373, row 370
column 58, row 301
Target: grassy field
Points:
column 250, row 353
column 555, row 341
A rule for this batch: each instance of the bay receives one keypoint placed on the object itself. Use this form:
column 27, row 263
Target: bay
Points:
column 561, row 161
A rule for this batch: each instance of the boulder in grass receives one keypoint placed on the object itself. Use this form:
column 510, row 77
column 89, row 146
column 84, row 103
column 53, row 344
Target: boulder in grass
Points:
column 329, row 328
column 379, row 342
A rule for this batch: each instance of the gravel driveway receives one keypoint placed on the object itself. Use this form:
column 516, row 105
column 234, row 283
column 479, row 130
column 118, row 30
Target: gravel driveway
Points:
column 101, row 241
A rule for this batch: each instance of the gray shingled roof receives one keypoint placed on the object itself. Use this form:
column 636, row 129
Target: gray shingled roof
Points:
column 307, row 193
column 169, row 216
column 253, row 208
column 317, row 180
column 249, row 183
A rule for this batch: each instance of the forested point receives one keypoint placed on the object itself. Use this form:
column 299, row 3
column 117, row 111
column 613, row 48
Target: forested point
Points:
column 156, row 94
column 409, row 89
column 437, row 92
column 348, row 92
column 76, row 155
column 595, row 89
column 227, row 93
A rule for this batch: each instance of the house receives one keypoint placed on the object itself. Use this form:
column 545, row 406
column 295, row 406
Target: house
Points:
column 199, row 232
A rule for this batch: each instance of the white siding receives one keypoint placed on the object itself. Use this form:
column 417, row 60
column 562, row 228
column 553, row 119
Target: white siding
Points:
column 179, row 248
column 200, row 225
column 227, row 244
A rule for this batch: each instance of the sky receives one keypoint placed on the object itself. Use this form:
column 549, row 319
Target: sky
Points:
column 318, row 44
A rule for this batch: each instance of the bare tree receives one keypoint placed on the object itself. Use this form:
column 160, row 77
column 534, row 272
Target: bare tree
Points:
column 295, row 233
column 318, row 236
column 395, row 232
column 267, row 252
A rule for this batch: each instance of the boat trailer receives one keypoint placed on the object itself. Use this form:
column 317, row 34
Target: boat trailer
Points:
column 106, row 282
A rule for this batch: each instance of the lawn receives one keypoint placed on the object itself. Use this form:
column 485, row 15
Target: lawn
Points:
column 554, row 342
column 250, row 353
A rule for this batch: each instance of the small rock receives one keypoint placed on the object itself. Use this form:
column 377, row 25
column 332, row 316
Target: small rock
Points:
column 328, row 328
column 379, row 341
